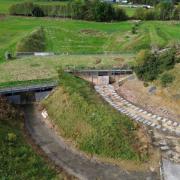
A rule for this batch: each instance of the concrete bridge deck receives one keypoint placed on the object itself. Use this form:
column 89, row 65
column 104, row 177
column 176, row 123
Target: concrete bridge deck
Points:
column 30, row 88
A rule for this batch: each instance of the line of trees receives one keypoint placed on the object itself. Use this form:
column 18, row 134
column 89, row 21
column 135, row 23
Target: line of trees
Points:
column 153, row 2
column 162, row 11
column 95, row 10
column 79, row 9
column 31, row 9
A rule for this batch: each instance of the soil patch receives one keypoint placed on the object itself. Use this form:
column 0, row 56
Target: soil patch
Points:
column 91, row 32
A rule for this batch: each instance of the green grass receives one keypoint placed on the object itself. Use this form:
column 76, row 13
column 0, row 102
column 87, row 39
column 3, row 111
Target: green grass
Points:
column 26, row 83
column 81, row 37
column 38, row 69
column 18, row 159
column 93, row 125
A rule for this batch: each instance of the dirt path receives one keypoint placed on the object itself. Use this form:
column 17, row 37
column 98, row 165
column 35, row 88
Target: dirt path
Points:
column 74, row 163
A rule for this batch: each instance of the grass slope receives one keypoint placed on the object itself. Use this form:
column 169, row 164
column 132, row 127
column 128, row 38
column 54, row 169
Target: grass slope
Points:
column 90, row 123
column 18, row 160
column 33, row 68
column 83, row 37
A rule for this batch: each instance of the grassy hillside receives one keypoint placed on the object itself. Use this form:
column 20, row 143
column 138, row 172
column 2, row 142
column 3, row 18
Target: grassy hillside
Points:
column 18, row 159
column 87, row 37
column 90, row 123
column 33, row 68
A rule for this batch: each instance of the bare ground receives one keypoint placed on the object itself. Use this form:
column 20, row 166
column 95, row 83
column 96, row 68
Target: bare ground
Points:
column 157, row 103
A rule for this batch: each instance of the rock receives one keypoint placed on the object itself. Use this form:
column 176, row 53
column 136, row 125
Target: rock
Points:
column 152, row 89
column 169, row 153
column 164, row 148
column 163, row 142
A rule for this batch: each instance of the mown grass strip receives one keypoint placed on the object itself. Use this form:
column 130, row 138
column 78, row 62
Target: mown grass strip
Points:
column 27, row 83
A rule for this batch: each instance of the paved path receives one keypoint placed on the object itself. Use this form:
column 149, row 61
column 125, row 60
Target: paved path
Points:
column 74, row 163
column 171, row 171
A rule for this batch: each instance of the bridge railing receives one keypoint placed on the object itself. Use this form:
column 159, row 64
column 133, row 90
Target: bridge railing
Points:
column 36, row 87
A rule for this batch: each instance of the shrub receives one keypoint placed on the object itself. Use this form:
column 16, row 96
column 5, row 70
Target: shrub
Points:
column 166, row 79
column 176, row 13
column 134, row 30
column 120, row 14
column 8, row 55
column 145, row 84
column 103, row 11
column 164, row 11
column 139, row 13
column 34, row 42
column 11, row 137
column 25, row 9
column 37, row 12
column 150, row 65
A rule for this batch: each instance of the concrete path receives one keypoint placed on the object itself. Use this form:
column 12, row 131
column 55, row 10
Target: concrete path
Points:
column 71, row 161
column 171, row 171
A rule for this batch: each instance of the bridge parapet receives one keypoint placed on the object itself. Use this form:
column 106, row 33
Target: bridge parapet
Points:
column 30, row 88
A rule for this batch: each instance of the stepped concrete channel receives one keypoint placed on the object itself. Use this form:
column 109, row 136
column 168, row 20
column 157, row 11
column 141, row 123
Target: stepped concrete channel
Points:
column 72, row 161
column 165, row 132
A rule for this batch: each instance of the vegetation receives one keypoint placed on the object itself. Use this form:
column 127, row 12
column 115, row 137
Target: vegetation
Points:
column 162, row 11
column 27, row 82
column 152, row 2
column 33, row 42
column 40, row 10
column 6, row 4
column 18, row 160
column 166, row 79
column 82, row 116
column 87, row 10
column 36, row 70
column 150, row 65
column 80, row 37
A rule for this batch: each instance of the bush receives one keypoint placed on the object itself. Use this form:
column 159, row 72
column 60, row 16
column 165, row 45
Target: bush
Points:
column 120, row 14
column 103, row 11
column 145, row 84
column 8, row 55
column 176, row 13
column 164, row 11
column 87, row 10
column 25, row 9
column 34, row 42
column 11, row 137
column 149, row 65
column 37, row 12
column 134, row 30
column 166, row 79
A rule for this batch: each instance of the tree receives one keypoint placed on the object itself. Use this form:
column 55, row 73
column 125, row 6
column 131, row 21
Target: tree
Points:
column 120, row 14
column 164, row 11
column 103, row 11
column 37, row 12
column 176, row 13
